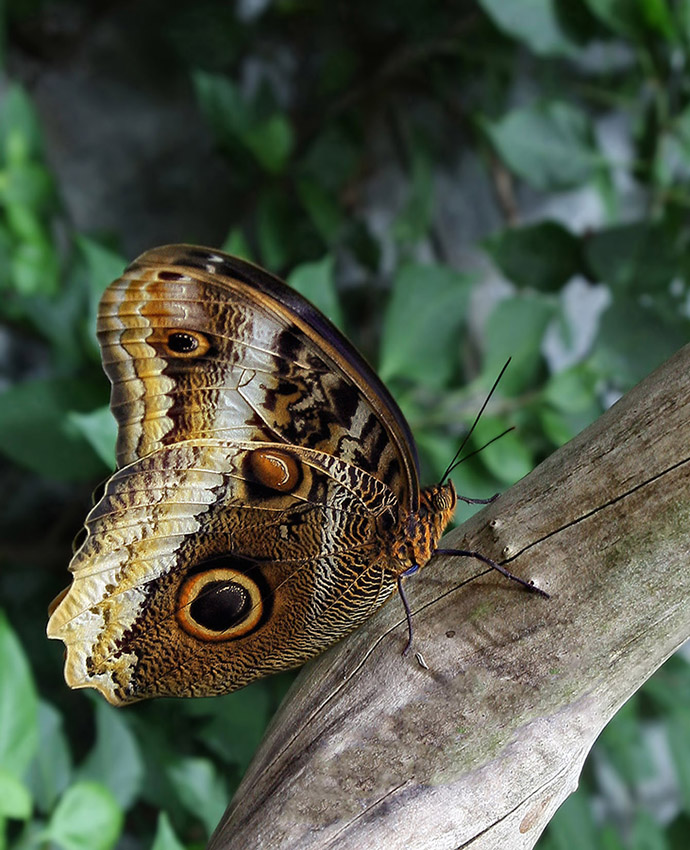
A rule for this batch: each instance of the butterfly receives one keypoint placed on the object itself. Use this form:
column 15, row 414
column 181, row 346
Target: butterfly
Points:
column 267, row 496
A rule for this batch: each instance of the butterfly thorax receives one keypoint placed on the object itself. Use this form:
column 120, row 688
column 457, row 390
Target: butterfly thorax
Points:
column 424, row 529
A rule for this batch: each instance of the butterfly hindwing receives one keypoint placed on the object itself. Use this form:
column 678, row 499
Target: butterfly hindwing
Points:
column 195, row 513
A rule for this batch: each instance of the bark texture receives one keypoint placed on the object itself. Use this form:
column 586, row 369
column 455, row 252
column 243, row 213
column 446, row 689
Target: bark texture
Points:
column 478, row 751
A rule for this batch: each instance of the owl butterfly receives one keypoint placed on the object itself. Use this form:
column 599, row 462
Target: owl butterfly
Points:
column 267, row 496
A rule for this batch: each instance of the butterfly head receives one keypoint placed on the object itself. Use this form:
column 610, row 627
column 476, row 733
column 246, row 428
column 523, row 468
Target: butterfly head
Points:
column 425, row 528
column 436, row 509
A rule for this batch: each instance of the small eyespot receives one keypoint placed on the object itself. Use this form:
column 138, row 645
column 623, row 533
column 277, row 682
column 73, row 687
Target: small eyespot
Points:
column 275, row 469
column 219, row 604
column 186, row 343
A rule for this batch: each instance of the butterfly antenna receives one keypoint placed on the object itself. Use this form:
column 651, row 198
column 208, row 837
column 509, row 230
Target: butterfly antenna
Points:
column 457, row 462
column 456, row 457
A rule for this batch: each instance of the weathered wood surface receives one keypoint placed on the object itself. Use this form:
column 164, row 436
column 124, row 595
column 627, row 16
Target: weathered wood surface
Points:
column 371, row 750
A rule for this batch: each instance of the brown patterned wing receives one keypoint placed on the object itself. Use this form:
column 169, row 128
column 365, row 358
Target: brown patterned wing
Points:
column 199, row 344
column 209, row 563
column 267, row 495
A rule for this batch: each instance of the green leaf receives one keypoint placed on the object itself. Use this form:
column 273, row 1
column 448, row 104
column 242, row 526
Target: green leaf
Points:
column 421, row 327
column 15, row 800
column 201, row 790
column 222, row 105
column 633, row 340
column 678, row 733
column 36, row 431
column 635, row 18
column 414, row 221
column 533, row 22
column 622, row 16
column 27, row 184
column 683, row 15
column 316, row 282
column 165, row 835
column 236, row 244
column 658, row 15
column 35, row 269
column 271, row 142
column 332, row 159
column 20, row 131
column 546, row 842
column 6, row 251
column 625, row 746
column 641, row 257
column 274, row 245
column 550, row 145
column 236, row 725
column 26, row 225
column 515, row 330
column 610, row 840
column 115, row 760
column 508, row 459
column 677, row 833
column 669, row 687
column 103, row 266
column 51, row 767
column 572, row 390
column 99, row 429
column 647, row 833
column 572, row 826
column 322, row 208
column 18, row 704
column 86, row 818
column 557, row 427
column 541, row 256
column 365, row 246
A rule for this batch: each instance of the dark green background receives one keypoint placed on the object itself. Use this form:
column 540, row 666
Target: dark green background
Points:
column 453, row 183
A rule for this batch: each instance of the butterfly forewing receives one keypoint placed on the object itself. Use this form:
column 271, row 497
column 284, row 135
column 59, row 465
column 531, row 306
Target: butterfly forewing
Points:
column 200, row 344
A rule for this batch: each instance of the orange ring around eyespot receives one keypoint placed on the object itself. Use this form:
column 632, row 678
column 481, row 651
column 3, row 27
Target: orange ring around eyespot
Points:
column 202, row 343
column 190, row 591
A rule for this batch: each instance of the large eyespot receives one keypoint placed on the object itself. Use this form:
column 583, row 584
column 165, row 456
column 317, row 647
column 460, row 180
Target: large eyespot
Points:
column 180, row 343
column 219, row 604
column 275, row 469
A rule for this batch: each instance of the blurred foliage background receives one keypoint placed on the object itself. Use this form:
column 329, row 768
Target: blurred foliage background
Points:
column 453, row 183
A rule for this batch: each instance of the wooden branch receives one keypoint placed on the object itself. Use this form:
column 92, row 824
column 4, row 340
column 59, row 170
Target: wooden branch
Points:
column 372, row 750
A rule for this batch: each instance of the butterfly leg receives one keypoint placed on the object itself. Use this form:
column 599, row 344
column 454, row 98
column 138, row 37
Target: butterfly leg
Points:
column 489, row 562
column 468, row 501
column 408, row 613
